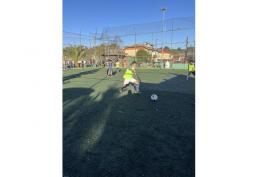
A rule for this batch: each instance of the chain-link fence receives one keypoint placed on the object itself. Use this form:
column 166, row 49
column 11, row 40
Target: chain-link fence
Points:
column 156, row 44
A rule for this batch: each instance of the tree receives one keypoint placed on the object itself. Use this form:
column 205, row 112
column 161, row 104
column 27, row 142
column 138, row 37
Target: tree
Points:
column 142, row 55
column 76, row 53
column 100, row 51
column 167, row 48
column 65, row 53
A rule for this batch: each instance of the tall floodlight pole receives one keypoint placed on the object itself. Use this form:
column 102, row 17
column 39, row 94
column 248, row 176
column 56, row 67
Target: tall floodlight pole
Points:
column 163, row 10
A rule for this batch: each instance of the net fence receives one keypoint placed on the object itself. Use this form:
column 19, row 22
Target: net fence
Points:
column 171, row 40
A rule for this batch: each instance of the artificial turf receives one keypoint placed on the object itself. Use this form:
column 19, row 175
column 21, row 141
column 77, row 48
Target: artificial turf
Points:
column 106, row 133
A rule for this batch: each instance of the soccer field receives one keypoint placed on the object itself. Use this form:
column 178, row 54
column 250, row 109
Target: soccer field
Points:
column 106, row 133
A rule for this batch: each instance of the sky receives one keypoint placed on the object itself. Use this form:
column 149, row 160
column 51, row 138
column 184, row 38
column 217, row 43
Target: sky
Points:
column 91, row 15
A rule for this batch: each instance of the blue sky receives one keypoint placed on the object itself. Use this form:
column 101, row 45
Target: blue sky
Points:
column 89, row 15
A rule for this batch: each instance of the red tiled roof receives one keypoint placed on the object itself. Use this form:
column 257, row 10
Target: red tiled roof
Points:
column 138, row 47
column 167, row 51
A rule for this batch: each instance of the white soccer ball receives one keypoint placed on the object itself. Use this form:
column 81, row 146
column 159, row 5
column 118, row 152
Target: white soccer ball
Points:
column 154, row 97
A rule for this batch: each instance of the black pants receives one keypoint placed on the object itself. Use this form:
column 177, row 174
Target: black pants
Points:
column 191, row 72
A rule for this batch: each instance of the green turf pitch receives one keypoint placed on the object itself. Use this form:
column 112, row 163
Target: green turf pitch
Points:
column 108, row 134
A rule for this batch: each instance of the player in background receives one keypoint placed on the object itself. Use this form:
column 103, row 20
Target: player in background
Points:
column 117, row 66
column 190, row 69
column 109, row 68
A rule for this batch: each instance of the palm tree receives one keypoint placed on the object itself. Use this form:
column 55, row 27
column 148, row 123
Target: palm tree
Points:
column 76, row 53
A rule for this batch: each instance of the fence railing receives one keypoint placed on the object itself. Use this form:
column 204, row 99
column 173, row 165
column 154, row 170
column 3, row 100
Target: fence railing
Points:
column 175, row 34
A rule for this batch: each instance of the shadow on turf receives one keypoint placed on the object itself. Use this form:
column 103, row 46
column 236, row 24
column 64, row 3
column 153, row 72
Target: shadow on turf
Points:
column 176, row 84
column 116, row 71
column 128, row 136
column 72, row 76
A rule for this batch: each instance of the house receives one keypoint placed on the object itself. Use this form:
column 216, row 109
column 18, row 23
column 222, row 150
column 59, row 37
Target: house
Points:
column 159, row 55
column 183, row 55
column 179, row 59
column 132, row 50
column 166, row 55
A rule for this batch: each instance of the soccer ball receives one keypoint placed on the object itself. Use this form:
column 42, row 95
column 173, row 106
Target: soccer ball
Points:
column 154, row 97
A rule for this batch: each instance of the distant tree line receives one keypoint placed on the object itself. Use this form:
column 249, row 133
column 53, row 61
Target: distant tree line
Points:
column 78, row 53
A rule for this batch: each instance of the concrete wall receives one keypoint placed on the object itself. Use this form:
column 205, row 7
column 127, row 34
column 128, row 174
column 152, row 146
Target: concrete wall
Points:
column 130, row 52
column 179, row 66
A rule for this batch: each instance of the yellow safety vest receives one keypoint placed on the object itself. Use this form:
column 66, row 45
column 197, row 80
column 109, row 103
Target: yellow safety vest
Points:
column 128, row 74
column 191, row 67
